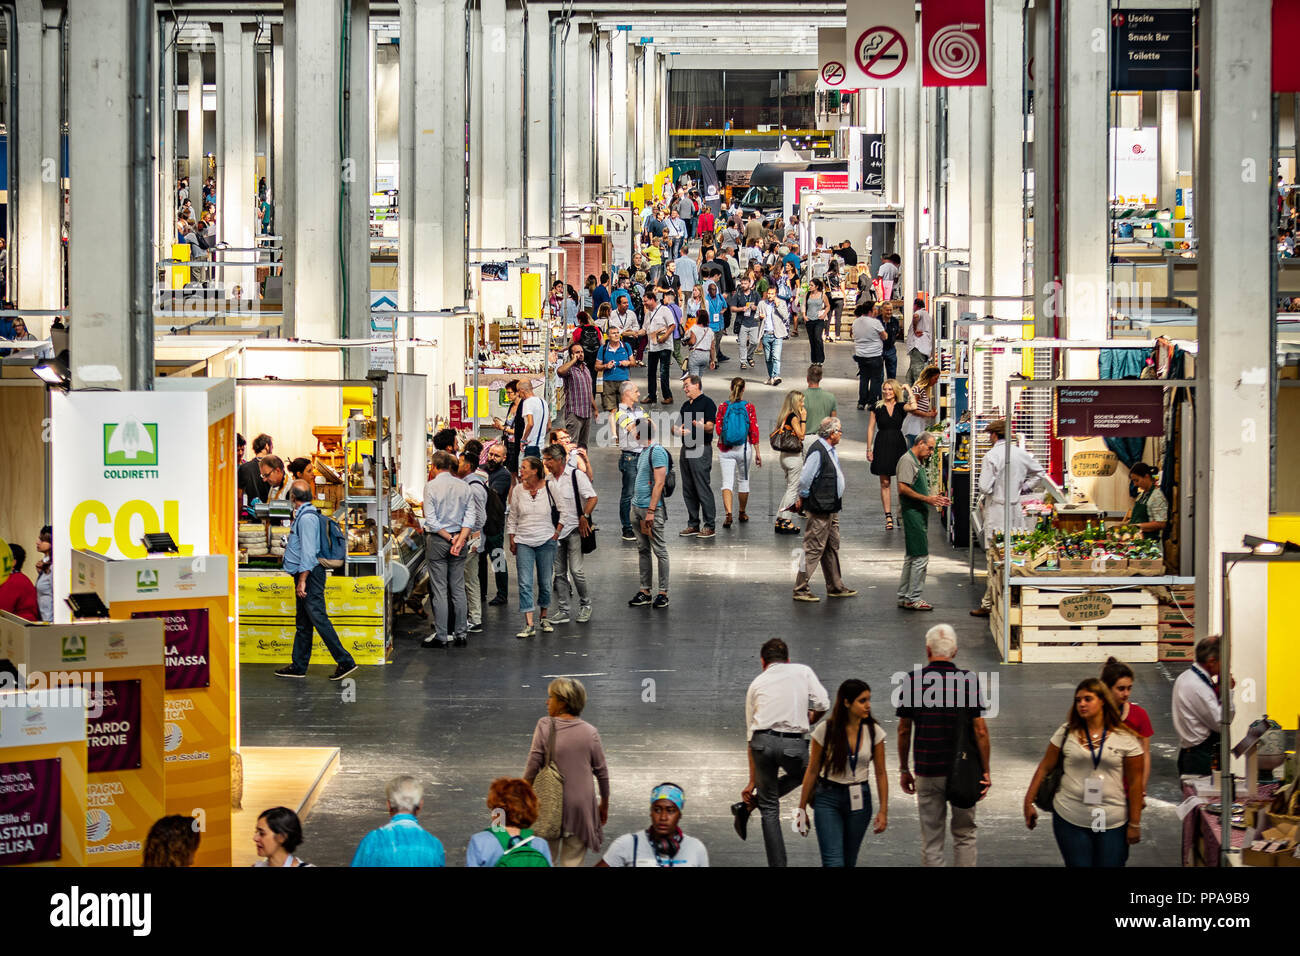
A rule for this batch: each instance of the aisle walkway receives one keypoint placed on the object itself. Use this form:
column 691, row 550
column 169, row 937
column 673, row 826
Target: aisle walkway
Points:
column 667, row 687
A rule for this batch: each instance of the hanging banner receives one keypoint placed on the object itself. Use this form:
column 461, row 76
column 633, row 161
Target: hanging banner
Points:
column 953, row 43
column 709, row 185
column 832, row 74
column 879, row 43
column 1135, row 165
column 126, row 463
column 1286, row 65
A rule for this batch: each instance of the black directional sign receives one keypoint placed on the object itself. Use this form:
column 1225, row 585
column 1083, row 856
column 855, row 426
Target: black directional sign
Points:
column 1153, row 50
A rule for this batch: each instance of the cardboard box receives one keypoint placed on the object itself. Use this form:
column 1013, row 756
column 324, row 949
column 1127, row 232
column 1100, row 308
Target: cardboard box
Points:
column 1177, row 633
column 1177, row 652
column 1171, row 615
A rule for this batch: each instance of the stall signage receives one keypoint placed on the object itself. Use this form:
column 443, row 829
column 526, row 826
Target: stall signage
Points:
column 30, row 808
column 126, row 463
column 1093, row 464
column 113, row 738
column 1153, row 50
column 185, row 642
column 1082, row 608
column 1111, row 411
column 873, row 153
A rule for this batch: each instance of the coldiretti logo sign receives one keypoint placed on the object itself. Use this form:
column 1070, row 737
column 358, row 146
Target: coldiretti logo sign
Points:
column 133, row 445
column 74, row 649
column 146, row 581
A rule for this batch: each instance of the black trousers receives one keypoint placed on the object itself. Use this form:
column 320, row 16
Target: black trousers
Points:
column 871, row 375
column 817, row 329
column 1199, row 760
column 660, row 364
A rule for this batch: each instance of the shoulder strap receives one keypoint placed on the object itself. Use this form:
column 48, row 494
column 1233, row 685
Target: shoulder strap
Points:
column 550, row 745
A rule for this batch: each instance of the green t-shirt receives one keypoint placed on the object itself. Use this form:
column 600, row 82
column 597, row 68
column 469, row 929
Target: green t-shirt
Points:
column 820, row 403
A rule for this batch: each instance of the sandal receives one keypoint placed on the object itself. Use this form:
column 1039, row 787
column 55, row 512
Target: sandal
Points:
column 727, row 523
column 743, row 516
column 889, row 522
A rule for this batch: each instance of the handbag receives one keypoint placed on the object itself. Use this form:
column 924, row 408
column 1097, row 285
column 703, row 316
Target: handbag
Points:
column 785, row 441
column 549, row 787
column 1051, row 782
column 588, row 539
column 555, row 509
column 963, row 787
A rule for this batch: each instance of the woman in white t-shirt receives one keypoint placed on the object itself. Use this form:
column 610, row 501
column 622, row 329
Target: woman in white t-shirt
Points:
column 1097, row 811
column 846, row 747
column 662, row 843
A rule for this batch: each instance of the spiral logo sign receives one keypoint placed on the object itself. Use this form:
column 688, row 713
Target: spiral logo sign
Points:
column 953, row 52
column 98, row 825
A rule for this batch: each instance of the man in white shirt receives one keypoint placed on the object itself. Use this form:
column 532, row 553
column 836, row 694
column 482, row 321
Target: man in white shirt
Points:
column 660, row 324
column 869, row 352
column 626, row 422
column 537, row 418
column 1197, row 710
column 919, row 341
column 995, row 485
column 781, row 705
column 675, row 229
column 575, row 521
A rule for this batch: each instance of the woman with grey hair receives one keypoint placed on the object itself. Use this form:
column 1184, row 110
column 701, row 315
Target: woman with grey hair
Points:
column 578, row 754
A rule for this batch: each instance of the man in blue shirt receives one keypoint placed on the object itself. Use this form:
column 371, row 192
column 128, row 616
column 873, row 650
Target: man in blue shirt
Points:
column 301, row 551
column 402, row 841
column 792, row 257
column 613, row 359
column 650, row 513
column 600, row 295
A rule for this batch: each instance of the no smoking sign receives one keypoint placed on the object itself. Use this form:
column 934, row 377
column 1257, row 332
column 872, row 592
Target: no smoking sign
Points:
column 881, row 52
column 833, row 73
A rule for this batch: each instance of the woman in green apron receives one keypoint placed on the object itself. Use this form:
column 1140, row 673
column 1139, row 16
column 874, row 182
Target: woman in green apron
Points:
column 1151, row 511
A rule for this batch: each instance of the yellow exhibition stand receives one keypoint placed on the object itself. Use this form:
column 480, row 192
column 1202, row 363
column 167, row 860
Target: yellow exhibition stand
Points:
column 43, row 778
column 190, row 595
column 268, row 618
column 1283, row 635
column 119, row 664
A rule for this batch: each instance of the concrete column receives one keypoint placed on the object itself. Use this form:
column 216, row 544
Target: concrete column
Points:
column 1168, row 124
column 513, row 130
column 38, row 251
column 281, row 183
column 1005, row 267
column 618, row 112
column 981, row 106
column 312, row 280
column 603, row 111
column 1046, row 301
column 358, row 162
column 647, row 115
column 431, row 261
column 194, row 124
column 236, row 181
column 958, row 173
column 1082, row 187
column 99, row 242
column 576, row 109
column 538, row 113
column 495, row 75
column 911, row 182
column 1233, row 202
column 164, row 118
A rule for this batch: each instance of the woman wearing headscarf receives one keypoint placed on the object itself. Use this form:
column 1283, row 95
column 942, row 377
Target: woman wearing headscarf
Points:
column 662, row 843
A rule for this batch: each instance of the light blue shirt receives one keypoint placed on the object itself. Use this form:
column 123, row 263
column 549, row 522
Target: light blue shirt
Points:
column 400, row 842
column 303, row 546
column 717, row 307
column 688, row 273
column 485, row 849
column 446, row 504
column 645, row 479
column 812, row 464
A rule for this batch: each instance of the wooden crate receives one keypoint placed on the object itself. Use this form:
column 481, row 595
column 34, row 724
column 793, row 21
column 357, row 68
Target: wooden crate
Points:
column 1136, row 608
column 1129, row 632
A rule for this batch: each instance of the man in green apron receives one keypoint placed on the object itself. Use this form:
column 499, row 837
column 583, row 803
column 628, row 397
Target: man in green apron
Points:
column 914, row 489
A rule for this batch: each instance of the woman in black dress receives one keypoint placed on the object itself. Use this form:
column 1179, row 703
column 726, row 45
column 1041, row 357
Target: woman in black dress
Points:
column 885, row 441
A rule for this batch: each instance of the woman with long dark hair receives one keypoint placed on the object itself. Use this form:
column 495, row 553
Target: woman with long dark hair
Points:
column 845, row 748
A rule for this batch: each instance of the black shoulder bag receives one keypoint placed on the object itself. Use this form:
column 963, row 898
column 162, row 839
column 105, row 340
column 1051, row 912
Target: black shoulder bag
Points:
column 967, row 770
column 1051, row 782
column 588, row 539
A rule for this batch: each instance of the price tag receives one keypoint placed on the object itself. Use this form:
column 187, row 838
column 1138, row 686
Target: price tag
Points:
column 1188, row 805
column 1092, row 790
column 855, row 797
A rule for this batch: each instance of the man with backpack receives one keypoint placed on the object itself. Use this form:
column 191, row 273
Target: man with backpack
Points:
column 654, row 484
column 302, row 557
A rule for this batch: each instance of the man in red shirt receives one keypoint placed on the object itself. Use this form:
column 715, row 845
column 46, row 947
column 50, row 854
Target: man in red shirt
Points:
column 17, row 593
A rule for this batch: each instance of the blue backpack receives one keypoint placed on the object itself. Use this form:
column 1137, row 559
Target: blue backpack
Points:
column 735, row 425
column 332, row 550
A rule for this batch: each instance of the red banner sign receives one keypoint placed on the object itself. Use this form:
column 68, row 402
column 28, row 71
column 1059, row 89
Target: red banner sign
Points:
column 953, row 45
column 1286, row 65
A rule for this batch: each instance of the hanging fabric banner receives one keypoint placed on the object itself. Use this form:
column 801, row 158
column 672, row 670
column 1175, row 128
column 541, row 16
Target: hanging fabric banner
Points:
column 879, row 43
column 953, row 44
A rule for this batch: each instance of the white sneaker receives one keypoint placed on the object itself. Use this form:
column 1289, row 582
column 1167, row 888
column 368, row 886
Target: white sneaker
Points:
column 584, row 614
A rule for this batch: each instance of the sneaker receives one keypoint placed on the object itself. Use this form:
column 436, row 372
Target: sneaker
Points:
column 546, row 626
column 432, row 641
column 497, row 601
column 343, row 670
column 777, row 380
column 661, row 601
column 806, row 596
column 708, row 533
column 290, row 671
column 474, row 629
column 628, row 535
column 528, row 631
column 640, row 599
column 584, row 614
column 561, row 618
column 688, row 531
column 902, row 602
column 847, row 592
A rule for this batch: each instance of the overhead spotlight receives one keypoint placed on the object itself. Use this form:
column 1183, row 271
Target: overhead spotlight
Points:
column 53, row 372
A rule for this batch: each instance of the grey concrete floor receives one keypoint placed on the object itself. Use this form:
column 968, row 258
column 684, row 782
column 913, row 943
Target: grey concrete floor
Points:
column 459, row 718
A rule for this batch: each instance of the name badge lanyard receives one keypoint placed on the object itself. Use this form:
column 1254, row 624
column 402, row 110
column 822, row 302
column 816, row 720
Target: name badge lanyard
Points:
column 853, row 754
column 1097, row 754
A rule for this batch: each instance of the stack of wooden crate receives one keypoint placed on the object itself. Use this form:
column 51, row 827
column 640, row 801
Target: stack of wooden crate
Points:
column 1177, row 624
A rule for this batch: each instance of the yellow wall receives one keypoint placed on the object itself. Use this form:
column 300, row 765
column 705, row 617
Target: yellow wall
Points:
column 1283, row 632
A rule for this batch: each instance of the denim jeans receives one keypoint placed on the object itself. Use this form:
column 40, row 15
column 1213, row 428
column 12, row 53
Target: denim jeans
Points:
column 772, row 354
column 891, row 360
column 627, row 462
column 311, row 614
column 773, row 754
column 658, row 367
column 535, row 565
column 840, row 830
column 497, row 564
column 1081, row 846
